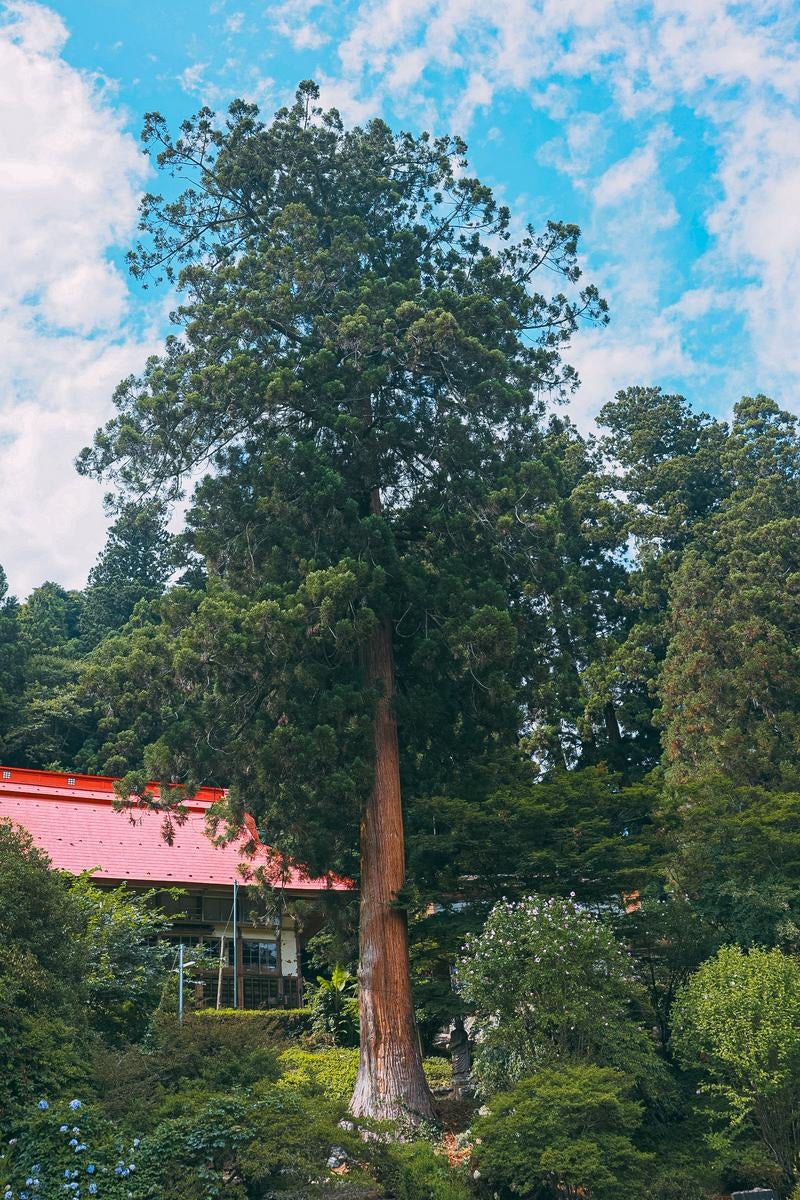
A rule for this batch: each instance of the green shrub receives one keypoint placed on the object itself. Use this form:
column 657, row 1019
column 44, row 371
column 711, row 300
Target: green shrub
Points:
column 438, row 1071
column 269, row 1023
column 268, row 1141
column 331, row 1072
column 547, row 982
column 334, row 1007
column 413, row 1171
column 202, row 1048
column 563, row 1133
column 67, row 1148
column 140, row 1085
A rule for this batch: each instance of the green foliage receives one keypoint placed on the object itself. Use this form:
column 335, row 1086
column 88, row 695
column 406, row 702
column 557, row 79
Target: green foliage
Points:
column 334, row 1004
column 564, row 1132
column 414, row 1171
column 733, row 851
column 240, row 1146
column 67, row 1148
column 669, row 938
column 332, row 1072
column 11, row 662
column 215, row 1053
column 738, row 1019
column 581, row 832
column 42, row 986
column 384, row 460
column 50, row 723
column 730, row 681
column 267, row 1024
column 125, row 965
column 548, row 983
column 134, row 565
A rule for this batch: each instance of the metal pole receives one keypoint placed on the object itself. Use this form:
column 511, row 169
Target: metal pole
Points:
column 235, row 948
column 221, row 965
column 180, row 982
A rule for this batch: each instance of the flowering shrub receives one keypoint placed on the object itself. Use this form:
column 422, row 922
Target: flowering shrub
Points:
column 547, row 982
column 66, row 1150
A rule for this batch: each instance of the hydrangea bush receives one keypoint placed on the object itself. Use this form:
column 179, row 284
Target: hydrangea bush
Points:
column 548, row 982
column 67, row 1150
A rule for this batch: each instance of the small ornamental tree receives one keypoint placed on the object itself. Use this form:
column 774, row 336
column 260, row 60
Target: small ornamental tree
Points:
column 125, row 964
column 548, row 983
column 361, row 362
column 738, row 1019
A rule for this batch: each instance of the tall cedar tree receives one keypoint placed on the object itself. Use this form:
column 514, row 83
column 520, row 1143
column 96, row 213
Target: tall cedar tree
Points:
column 363, row 364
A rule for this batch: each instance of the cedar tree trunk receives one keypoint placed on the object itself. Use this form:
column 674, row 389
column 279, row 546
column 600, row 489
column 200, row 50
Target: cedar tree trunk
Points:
column 390, row 1082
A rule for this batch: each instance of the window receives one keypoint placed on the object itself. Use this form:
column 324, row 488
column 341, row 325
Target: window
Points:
column 186, row 908
column 189, row 941
column 6, row 774
column 261, row 957
column 211, row 947
column 217, row 910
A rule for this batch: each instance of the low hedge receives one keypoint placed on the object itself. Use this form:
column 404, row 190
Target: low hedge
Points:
column 332, row 1071
column 272, row 1023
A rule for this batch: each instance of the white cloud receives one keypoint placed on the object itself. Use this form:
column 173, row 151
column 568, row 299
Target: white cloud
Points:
column 632, row 174
column 735, row 67
column 69, row 179
column 298, row 20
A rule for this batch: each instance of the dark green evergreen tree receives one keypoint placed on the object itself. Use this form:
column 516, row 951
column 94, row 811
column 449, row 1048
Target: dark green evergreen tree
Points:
column 11, row 664
column 363, row 361
column 49, row 722
column 134, row 565
column 663, row 478
column 730, row 686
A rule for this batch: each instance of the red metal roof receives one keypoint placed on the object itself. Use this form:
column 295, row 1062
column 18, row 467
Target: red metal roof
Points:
column 71, row 818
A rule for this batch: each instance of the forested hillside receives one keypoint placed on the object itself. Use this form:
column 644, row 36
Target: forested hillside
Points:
column 656, row 700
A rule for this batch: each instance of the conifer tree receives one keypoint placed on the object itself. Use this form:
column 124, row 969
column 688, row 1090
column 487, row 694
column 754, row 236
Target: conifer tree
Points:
column 362, row 362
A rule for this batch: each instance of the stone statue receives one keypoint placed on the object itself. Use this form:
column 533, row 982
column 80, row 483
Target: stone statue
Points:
column 458, row 1045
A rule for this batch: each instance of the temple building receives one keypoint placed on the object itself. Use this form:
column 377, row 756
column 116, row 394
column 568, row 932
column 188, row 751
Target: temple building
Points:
column 257, row 946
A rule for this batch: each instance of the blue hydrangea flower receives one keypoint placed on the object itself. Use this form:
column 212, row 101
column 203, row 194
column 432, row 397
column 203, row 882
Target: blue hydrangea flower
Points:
column 43, row 1105
column 8, row 1196
column 63, row 1129
column 92, row 1189
column 73, row 1141
column 74, row 1104
column 90, row 1169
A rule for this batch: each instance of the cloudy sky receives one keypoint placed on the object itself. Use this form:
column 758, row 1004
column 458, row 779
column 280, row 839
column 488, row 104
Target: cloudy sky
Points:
column 670, row 131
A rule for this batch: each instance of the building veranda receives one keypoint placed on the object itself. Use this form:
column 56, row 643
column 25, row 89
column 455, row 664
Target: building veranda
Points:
column 252, row 944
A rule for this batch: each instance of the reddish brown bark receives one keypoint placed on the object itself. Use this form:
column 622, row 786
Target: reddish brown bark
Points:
column 390, row 1081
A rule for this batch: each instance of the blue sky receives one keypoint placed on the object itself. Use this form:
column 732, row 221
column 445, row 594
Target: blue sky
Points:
column 669, row 131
